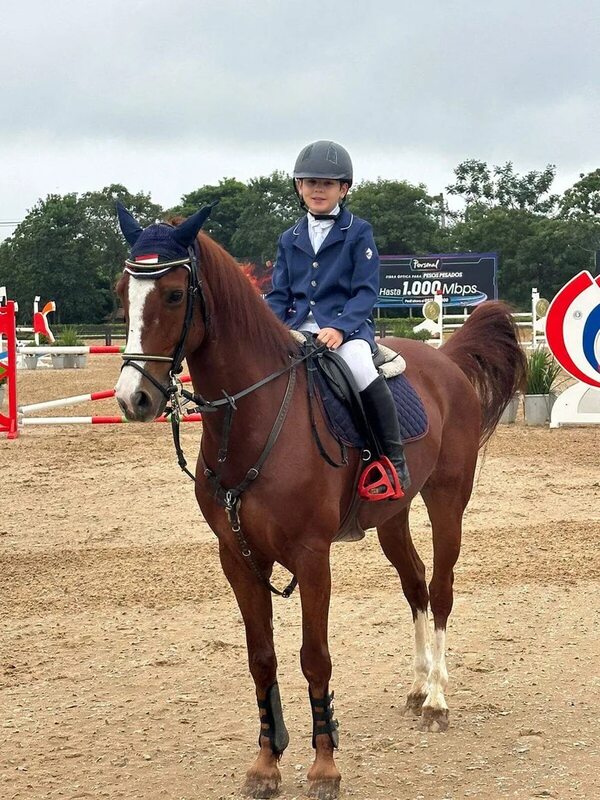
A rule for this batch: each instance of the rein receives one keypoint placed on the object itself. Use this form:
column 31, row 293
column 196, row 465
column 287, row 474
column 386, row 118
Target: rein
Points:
column 231, row 498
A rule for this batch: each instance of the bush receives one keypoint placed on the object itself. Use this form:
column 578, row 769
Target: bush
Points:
column 69, row 337
column 542, row 372
column 404, row 328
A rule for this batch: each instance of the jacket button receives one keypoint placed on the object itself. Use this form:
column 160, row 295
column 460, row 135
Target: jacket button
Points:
column 313, row 283
column 312, row 302
column 315, row 264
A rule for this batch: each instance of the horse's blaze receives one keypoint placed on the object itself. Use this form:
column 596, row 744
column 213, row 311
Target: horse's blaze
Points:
column 131, row 382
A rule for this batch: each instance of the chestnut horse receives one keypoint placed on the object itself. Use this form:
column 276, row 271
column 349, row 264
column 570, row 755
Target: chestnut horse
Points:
column 292, row 511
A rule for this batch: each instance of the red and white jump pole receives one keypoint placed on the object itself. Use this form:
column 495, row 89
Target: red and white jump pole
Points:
column 17, row 416
column 75, row 351
column 75, row 400
column 25, row 420
column 99, row 420
column 66, row 401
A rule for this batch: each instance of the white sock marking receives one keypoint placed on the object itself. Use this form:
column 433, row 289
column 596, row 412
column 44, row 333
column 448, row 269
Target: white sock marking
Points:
column 422, row 663
column 438, row 675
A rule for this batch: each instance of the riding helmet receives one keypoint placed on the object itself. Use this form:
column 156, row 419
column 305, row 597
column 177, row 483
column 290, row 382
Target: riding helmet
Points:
column 324, row 159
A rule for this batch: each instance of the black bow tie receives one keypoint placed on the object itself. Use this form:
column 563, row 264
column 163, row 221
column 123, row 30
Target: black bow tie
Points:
column 318, row 224
column 325, row 216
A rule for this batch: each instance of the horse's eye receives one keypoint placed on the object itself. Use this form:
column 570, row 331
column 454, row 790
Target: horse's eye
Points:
column 174, row 297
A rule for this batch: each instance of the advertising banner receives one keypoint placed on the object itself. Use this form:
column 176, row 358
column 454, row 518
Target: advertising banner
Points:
column 464, row 279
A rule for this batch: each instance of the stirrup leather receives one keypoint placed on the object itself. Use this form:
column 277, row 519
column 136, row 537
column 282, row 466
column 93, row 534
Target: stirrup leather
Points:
column 379, row 481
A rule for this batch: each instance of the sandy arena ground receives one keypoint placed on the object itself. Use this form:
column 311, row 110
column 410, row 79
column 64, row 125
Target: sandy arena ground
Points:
column 122, row 658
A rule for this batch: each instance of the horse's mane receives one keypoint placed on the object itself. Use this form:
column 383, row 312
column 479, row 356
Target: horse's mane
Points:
column 233, row 301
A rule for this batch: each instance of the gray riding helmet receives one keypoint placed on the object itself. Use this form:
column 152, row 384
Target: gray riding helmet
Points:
column 324, row 159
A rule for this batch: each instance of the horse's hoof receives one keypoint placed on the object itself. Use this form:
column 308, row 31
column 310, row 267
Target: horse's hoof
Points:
column 324, row 789
column 260, row 787
column 414, row 704
column 434, row 720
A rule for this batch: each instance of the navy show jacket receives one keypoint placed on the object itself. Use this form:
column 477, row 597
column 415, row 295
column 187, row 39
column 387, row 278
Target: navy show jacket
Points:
column 340, row 284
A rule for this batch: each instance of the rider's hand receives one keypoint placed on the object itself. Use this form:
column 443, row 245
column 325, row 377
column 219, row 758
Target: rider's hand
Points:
column 330, row 337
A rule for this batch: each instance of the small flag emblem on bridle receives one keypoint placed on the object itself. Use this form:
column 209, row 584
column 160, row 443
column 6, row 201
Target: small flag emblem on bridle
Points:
column 147, row 259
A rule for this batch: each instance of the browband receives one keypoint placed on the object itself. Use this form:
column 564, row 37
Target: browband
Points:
column 135, row 267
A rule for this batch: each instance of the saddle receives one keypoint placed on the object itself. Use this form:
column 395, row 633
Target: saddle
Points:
column 328, row 371
column 331, row 382
column 331, row 377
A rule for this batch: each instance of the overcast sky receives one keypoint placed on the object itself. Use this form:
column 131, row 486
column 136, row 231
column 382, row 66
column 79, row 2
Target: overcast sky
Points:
column 167, row 96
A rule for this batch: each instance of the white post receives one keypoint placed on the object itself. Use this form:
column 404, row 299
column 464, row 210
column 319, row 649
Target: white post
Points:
column 535, row 296
column 440, row 320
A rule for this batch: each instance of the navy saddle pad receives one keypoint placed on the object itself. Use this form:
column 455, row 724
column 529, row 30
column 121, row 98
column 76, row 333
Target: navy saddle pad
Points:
column 411, row 412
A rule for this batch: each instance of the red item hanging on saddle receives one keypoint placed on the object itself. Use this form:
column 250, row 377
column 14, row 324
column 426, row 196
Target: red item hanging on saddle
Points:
column 379, row 481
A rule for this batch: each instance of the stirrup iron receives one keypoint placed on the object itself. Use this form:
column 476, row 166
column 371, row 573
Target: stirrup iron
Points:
column 379, row 481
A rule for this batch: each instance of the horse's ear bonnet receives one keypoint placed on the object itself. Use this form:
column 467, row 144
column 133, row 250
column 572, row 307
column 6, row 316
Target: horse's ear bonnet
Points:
column 130, row 227
column 161, row 242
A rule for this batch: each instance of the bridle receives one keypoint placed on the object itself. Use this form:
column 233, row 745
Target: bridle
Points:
column 194, row 289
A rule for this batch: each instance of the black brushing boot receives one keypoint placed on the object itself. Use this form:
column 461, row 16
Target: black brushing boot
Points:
column 381, row 412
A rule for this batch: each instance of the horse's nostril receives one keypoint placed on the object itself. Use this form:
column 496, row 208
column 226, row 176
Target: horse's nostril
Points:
column 141, row 400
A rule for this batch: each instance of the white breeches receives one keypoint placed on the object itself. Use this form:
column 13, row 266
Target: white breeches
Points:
column 356, row 353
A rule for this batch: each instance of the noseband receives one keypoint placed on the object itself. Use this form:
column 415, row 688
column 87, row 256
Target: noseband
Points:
column 194, row 289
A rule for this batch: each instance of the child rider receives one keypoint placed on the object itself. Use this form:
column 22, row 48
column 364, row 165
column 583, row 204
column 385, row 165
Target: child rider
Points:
column 326, row 280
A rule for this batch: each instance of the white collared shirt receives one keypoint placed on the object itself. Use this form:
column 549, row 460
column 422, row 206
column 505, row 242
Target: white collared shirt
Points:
column 319, row 228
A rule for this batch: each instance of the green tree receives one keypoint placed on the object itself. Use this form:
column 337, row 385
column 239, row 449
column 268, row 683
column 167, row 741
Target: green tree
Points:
column 69, row 249
column 47, row 256
column 102, row 233
column 483, row 187
column 223, row 221
column 583, row 198
column 271, row 207
column 534, row 250
column 404, row 217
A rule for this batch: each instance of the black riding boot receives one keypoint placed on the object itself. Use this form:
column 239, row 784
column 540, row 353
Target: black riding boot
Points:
column 381, row 412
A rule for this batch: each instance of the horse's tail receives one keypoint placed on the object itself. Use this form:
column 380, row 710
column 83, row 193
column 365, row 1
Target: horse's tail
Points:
column 488, row 351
